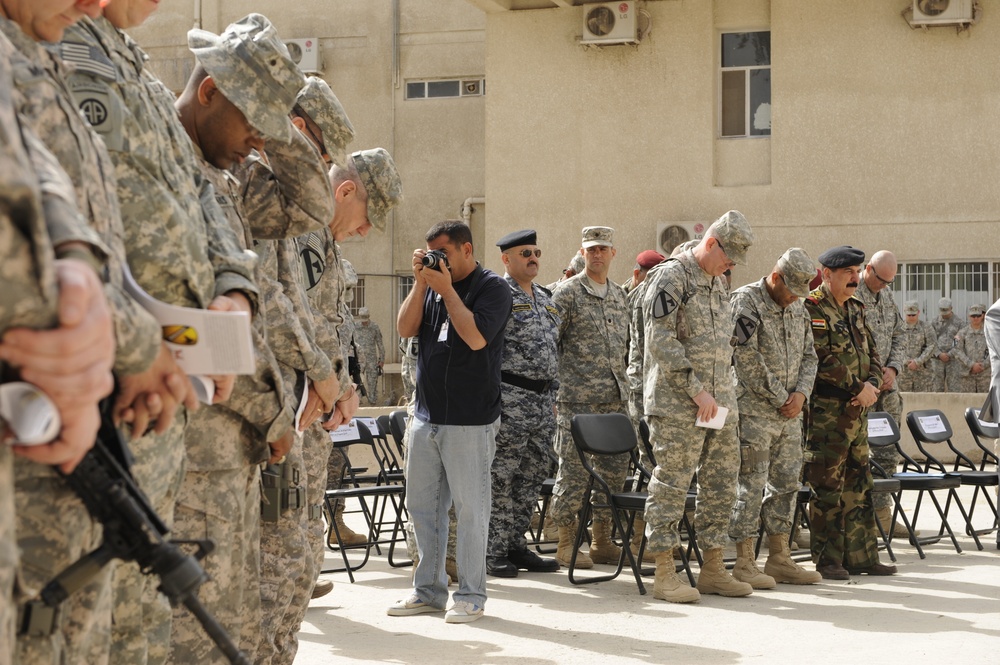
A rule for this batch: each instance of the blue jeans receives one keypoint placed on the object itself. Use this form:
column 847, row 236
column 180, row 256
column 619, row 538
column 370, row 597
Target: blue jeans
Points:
column 450, row 463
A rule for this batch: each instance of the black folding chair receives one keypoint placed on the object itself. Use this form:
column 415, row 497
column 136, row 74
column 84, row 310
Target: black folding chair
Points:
column 607, row 435
column 372, row 488
column 982, row 431
column 930, row 427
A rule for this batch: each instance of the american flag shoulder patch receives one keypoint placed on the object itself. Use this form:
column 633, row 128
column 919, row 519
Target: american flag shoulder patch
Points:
column 88, row 59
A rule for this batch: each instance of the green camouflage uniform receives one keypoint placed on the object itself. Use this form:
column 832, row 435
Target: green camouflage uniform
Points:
column 970, row 348
column 920, row 345
column 887, row 329
column 945, row 331
column 220, row 496
column 180, row 250
column 688, row 332
column 45, row 105
column 836, row 455
column 593, row 336
column 774, row 356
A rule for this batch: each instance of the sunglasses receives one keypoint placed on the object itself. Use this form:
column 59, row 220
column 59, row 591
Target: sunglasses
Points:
column 887, row 282
column 976, row 316
column 526, row 253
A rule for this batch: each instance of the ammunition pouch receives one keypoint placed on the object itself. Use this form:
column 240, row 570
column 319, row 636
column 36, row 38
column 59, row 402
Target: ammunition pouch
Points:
column 280, row 491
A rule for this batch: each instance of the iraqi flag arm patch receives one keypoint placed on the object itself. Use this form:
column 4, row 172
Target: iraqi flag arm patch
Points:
column 819, row 324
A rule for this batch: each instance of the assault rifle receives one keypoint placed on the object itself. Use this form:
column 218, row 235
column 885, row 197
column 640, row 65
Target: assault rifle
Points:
column 132, row 532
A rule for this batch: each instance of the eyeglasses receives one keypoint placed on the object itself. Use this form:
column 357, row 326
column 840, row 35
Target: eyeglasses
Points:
column 887, row 282
column 729, row 262
column 976, row 316
column 526, row 253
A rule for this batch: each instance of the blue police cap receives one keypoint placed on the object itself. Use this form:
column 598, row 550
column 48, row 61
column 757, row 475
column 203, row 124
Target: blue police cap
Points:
column 516, row 239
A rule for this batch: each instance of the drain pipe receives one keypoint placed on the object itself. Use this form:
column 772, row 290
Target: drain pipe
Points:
column 467, row 207
column 197, row 13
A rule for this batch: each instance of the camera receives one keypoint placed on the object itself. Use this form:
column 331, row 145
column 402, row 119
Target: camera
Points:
column 434, row 258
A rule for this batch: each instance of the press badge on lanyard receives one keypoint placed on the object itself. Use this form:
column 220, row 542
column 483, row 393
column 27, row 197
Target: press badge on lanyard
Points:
column 443, row 334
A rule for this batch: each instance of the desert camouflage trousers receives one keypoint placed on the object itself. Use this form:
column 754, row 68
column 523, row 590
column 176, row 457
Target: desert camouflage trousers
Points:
column 887, row 456
column 141, row 615
column 920, row 380
column 216, row 505
column 681, row 450
column 572, row 479
column 945, row 375
column 770, row 475
column 285, row 559
column 53, row 531
column 841, row 516
column 8, row 556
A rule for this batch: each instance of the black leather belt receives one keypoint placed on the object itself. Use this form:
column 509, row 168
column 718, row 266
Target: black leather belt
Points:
column 534, row 385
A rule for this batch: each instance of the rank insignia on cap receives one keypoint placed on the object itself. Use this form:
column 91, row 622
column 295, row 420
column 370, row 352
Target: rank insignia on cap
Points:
column 666, row 301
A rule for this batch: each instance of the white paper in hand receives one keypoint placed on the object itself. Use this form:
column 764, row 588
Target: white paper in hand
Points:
column 715, row 423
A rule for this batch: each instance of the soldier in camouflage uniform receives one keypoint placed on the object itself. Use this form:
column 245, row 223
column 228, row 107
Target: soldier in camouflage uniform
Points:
column 38, row 225
column 946, row 326
column 593, row 336
column 919, row 346
column 373, row 172
column 368, row 338
column 181, row 250
column 44, row 104
column 220, row 495
column 887, row 329
column 775, row 363
column 529, row 376
column 843, row 535
column 972, row 354
column 687, row 378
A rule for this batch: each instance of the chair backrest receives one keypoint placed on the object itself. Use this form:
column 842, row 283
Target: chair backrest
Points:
column 397, row 425
column 930, row 427
column 882, row 429
column 980, row 431
column 603, row 434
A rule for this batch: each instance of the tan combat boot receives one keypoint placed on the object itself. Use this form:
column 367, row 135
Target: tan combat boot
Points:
column 714, row 577
column 897, row 529
column 668, row 585
column 602, row 550
column 347, row 536
column 564, row 550
column 451, row 567
column 745, row 569
column 640, row 528
column 782, row 568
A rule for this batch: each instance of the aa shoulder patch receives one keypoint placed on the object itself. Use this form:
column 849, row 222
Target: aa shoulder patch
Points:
column 819, row 324
column 666, row 301
column 745, row 327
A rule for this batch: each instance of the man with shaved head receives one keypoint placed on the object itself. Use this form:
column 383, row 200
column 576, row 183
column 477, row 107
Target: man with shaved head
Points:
column 889, row 332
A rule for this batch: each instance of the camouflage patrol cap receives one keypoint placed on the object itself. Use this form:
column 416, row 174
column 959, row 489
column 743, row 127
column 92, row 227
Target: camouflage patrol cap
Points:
column 252, row 68
column 911, row 307
column 363, row 312
column 977, row 309
column 598, row 235
column 319, row 102
column 733, row 232
column 798, row 270
column 944, row 304
column 577, row 263
column 381, row 180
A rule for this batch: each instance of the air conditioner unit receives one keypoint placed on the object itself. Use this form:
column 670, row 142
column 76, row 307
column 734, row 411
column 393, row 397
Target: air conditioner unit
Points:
column 610, row 23
column 942, row 12
column 305, row 53
column 671, row 234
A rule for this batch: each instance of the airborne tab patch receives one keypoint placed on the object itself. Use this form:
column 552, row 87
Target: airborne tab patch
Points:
column 819, row 324
column 666, row 301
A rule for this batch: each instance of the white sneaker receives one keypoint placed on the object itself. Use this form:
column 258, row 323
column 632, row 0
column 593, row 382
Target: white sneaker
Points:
column 410, row 606
column 463, row 612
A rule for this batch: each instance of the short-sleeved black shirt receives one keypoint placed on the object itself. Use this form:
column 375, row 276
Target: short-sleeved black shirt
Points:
column 456, row 385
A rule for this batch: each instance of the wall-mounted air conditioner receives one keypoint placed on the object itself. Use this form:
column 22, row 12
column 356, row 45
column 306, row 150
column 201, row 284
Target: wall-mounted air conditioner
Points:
column 942, row 12
column 305, row 53
column 671, row 234
column 610, row 23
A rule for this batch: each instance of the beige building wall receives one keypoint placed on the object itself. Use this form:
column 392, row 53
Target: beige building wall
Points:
column 883, row 136
column 369, row 51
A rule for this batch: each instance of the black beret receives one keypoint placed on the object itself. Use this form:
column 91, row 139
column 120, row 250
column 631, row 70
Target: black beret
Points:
column 516, row 239
column 842, row 257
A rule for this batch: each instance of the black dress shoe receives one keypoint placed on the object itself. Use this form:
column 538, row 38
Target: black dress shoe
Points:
column 832, row 571
column 500, row 566
column 527, row 560
column 876, row 569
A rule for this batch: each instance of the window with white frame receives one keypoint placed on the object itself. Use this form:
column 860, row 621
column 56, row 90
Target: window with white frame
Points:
column 745, row 92
column 358, row 301
column 967, row 283
column 404, row 286
column 436, row 89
